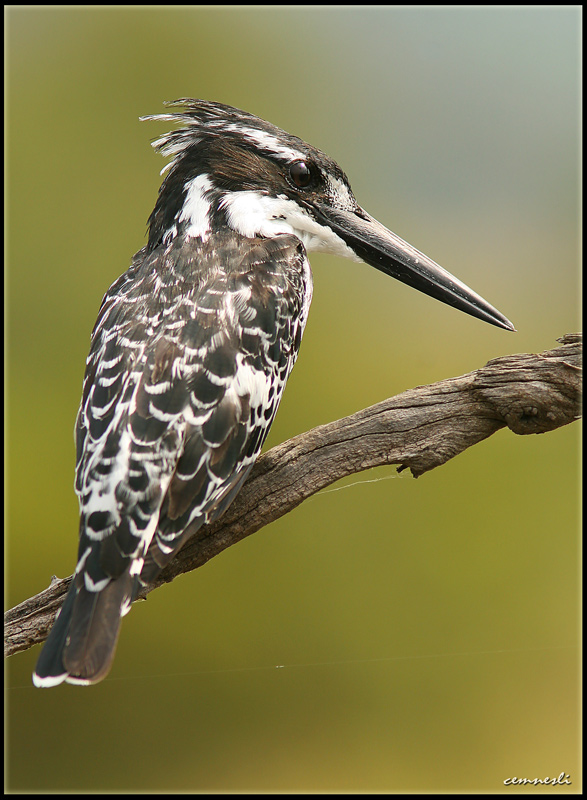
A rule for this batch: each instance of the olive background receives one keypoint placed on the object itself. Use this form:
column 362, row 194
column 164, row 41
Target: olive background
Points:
column 392, row 635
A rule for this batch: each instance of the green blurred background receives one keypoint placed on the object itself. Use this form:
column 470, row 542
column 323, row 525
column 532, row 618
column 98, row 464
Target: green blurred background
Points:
column 426, row 630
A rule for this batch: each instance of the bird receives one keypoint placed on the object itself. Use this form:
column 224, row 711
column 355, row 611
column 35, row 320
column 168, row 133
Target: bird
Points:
column 192, row 348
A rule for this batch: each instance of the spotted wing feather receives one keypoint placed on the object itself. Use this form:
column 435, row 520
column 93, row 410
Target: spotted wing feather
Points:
column 189, row 359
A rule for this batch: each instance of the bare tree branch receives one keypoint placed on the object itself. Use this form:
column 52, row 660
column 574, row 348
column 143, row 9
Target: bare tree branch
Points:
column 419, row 429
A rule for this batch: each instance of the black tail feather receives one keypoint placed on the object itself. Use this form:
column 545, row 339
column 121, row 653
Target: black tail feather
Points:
column 50, row 670
column 80, row 647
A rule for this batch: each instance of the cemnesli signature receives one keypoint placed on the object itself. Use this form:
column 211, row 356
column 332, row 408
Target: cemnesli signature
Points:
column 562, row 778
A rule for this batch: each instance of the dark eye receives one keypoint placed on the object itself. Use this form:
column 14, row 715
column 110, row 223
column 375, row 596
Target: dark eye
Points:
column 300, row 174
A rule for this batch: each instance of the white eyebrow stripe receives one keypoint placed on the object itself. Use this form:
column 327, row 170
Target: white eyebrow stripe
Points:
column 267, row 141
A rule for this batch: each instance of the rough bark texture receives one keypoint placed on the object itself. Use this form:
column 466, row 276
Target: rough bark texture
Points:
column 419, row 429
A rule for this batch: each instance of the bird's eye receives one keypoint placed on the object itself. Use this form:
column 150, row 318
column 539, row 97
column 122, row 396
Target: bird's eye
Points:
column 300, row 174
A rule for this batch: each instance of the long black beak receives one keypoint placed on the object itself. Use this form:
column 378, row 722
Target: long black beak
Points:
column 382, row 249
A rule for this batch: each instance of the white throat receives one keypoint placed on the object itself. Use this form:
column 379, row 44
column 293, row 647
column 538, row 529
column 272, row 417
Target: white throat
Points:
column 254, row 214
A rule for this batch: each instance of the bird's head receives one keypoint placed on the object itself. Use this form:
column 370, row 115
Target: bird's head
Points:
column 231, row 169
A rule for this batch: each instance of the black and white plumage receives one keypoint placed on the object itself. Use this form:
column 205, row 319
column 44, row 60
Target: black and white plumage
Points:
column 192, row 349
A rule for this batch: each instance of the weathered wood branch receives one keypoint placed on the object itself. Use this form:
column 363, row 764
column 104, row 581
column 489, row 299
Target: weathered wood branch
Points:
column 419, row 429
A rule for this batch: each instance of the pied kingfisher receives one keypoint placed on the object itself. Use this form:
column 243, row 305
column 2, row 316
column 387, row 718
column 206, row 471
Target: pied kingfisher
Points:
column 192, row 349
